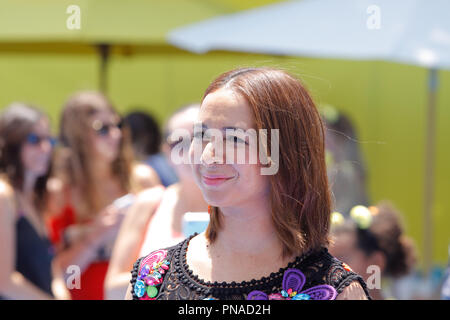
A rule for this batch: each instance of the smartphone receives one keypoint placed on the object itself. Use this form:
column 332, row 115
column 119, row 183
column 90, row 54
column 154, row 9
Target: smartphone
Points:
column 195, row 222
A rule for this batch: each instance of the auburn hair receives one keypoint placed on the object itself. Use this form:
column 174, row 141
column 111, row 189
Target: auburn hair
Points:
column 300, row 195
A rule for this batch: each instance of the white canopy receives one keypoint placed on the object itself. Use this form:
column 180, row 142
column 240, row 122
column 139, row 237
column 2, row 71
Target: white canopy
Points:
column 408, row 31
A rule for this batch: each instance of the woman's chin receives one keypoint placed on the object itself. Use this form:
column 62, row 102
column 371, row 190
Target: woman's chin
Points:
column 219, row 199
column 213, row 199
column 38, row 168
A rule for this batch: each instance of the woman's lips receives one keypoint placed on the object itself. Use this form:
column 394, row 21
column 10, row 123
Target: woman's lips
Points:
column 214, row 180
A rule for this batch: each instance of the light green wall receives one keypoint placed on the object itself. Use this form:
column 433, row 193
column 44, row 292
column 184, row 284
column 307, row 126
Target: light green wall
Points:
column 45, row 79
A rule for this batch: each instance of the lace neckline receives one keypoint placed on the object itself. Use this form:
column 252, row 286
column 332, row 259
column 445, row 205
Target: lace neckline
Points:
column 189, row 275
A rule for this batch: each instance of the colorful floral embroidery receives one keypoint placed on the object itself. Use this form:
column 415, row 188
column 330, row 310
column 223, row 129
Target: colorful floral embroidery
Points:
column 150, row 276
column 293, row 282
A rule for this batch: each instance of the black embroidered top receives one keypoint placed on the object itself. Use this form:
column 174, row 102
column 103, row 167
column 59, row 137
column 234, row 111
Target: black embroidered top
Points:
column 165, row 275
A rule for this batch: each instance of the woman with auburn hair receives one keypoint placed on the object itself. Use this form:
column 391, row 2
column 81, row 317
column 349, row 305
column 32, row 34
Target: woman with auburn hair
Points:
column 93, row 168
column 268, row 231
column 26, row 266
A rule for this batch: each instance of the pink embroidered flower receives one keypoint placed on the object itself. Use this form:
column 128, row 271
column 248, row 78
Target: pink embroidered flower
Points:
column 151, row 269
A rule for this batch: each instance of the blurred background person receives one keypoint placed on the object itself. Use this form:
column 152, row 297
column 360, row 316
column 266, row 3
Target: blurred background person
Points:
column 146, row 139
column 26, row 146
column 346, row 168
column 445, row 290
column 373, row 238
column 93, row 183
column 156, row 218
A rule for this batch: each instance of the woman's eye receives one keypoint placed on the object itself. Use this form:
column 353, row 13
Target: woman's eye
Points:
column 202, row 135
column 198, row 135
column 236, row 139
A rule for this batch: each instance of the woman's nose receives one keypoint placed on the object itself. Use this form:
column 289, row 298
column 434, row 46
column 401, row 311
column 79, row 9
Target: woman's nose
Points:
column 45, row 145
column 115, row 133
column 212, row 154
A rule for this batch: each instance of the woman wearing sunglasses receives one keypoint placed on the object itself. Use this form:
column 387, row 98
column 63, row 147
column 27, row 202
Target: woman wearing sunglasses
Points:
column 268, row 231
column 26, row 257
column 94, row 182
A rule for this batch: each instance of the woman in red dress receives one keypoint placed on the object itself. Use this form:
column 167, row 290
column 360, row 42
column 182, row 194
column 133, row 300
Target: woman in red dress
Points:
column 93, row 169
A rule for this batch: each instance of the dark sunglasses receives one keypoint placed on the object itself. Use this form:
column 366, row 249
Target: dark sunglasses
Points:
column 103, row 129
column 34, row 139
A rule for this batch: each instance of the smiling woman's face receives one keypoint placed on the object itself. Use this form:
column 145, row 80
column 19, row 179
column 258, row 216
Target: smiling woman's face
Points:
column 226, row 184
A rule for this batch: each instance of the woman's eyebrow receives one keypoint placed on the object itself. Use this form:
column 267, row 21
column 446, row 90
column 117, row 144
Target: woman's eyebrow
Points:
column 204, row 126
column 233, row 128
column 197, row 124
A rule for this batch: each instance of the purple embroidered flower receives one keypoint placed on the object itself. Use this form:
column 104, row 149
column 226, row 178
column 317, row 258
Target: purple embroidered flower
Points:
column 293, row 282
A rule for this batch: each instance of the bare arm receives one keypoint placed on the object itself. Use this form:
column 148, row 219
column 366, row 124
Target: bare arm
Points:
column 353, row 292
column 59, row 285
column 129, row 241
column 159, row 232
column 13, row 285
column 128, row 295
